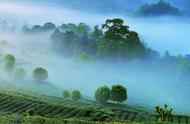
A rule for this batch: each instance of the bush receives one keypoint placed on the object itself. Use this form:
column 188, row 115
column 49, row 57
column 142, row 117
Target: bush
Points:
column 40, row 74
column 102, row 94
column 20, row 73
column 76, row 95
column 118, row 93
column 66, row 94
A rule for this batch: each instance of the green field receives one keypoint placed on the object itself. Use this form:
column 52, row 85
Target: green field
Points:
column 15, row 106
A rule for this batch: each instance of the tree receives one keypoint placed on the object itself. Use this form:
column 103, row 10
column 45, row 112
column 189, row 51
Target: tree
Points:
column 118, row 93
column 66, row 94
column 10, row 58
column 102, row 94
column 36, row 28
column 49, row 26
column 9, row 62
column 119, row 41
column 20, row 73
column 76, row 95
column 40, row 74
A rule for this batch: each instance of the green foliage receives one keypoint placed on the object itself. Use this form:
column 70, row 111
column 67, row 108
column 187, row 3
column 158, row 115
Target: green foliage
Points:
column 49, row 26
column 118, row 93
column 9, row 58
column 116, row 42
column 20, row 73
column 9, row 61
column 119, row 41
column 66, row 94
column 38, row 28
column 159, row 9
column 30, row 112
column 76, row 95
column 102, row 94
column 164, row 113
column 40, row 74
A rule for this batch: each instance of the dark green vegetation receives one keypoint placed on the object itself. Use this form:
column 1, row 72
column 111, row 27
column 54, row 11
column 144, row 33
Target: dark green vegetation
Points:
column 66, row 94
column 26, row 107
column 161, row 8
column 102, row 94
column 116, row 42
column 40, row 74
column 9, row 61
column 37, row 28
column 76, row 95
column 117, row 93
column 165, row 114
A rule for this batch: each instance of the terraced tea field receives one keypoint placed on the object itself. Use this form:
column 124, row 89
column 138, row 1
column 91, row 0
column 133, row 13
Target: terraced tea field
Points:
column 12, row 102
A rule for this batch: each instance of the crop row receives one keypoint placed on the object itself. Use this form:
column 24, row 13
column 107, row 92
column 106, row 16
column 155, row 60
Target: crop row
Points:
column 57, row 107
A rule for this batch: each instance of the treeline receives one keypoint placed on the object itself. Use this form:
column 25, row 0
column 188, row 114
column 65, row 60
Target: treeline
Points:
column 113, row 40
column 38, row 28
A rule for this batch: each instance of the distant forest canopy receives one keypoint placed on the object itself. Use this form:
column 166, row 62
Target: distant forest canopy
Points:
column 158, row 9
column 113, row 42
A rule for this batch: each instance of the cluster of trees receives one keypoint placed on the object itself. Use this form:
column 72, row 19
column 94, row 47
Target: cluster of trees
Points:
column 75, row 95
column 161, row 8
column 117, row 93
column 114, row 41
column 39, row 74
column 38, row 28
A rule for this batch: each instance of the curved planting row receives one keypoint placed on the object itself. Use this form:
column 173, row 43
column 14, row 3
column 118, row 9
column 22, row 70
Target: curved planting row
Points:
column 57, row 107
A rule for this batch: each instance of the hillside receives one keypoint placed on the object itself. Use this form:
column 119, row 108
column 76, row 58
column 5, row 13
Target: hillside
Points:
column 161, row 8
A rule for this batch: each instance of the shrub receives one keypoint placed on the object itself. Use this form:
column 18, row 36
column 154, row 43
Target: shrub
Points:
column 40, row 74
column 164, row 113
column 76, row 95
column 102, row 94
column 20, row 73
column 118, row 93
column 66, row 94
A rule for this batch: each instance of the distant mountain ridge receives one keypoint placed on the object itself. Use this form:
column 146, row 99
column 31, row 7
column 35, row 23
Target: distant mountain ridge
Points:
column 161, row 8
column 108, row 6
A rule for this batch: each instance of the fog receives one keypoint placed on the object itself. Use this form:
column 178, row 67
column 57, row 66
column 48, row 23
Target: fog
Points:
column 146, row 86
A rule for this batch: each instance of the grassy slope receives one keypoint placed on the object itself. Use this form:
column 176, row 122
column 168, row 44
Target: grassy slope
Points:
column 48, row 108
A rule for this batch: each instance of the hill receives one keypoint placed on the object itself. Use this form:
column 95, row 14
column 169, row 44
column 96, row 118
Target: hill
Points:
column 161, row 8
